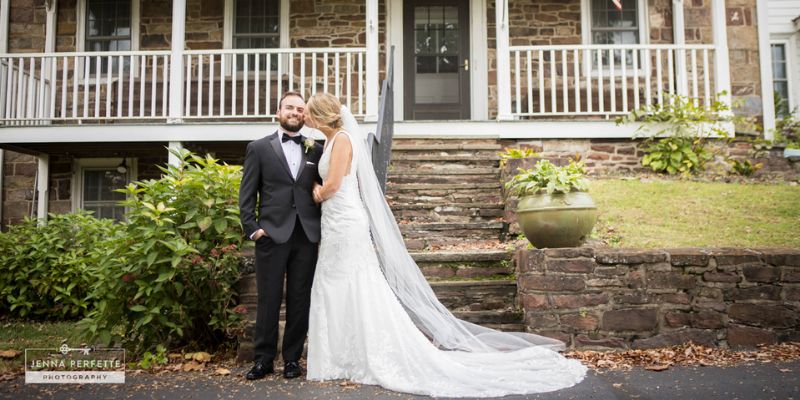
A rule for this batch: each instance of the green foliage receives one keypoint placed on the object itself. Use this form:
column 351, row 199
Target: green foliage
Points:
column 150, row 360
column 549, row 178
column 677, row 132
column 170, row 279
column 745, row 167
column 787, row 127
column 46, row 268
column 512, row 153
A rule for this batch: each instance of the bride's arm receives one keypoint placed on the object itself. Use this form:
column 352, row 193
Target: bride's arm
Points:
column 341, row 157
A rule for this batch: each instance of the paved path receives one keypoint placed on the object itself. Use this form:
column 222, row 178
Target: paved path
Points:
column 758, row 381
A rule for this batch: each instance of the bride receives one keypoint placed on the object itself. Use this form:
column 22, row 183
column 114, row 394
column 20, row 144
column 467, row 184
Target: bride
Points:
column 375, row 320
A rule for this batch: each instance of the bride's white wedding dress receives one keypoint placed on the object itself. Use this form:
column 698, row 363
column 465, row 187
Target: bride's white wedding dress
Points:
column 359, row 329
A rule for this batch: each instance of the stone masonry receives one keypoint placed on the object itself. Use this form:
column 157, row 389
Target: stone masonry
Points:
column 623, row 298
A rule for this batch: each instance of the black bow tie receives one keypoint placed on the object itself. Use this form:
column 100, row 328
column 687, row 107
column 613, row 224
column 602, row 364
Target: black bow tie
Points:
column 297, row 139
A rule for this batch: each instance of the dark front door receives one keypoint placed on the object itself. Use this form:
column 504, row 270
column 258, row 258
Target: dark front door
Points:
column 436, row 59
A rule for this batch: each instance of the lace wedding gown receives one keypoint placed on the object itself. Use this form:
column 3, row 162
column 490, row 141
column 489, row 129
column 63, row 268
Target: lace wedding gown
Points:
column 358, row 330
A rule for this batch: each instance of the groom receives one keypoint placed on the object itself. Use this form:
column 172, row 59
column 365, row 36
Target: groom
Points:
column 280, row 171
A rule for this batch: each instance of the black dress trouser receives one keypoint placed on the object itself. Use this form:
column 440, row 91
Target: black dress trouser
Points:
column 294, row 261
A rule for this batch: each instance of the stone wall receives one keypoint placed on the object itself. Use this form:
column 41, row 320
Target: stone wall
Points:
column 615, row 298
column 18, row 190
column 26, row 26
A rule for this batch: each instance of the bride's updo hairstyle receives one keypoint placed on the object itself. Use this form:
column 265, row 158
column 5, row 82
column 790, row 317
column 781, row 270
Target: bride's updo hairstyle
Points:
column 325, row 108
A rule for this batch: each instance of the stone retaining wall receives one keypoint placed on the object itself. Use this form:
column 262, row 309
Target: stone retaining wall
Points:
column 620, row 298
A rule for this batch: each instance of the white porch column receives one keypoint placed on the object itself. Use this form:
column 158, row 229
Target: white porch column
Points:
column 373, row 85
column 176, row 61
column 679, row 35
column 722, row 78
column 42, row 184
column 50, row 26
column 503, row 62
column 765, row 65
column 4, row 10
column 172, row 159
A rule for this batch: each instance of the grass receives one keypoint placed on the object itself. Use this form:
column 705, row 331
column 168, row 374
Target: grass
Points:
column 663, row 213
column 21, row 335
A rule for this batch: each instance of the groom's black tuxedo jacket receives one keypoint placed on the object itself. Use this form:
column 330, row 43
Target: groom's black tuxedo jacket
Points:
column 281, row 198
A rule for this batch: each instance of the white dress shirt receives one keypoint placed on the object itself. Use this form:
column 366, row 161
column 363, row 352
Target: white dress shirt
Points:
column 292, row 151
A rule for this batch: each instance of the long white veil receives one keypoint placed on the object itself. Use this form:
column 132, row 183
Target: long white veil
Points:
column 406, row 280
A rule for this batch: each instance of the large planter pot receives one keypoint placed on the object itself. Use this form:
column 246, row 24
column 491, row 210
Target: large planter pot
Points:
column 791, row 153
column 557, row 220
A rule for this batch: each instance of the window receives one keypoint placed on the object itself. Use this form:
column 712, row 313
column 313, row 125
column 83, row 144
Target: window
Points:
column 610, row 25
column 107, row 25
column 256, row 25
column 780, row 79
column 96, row 182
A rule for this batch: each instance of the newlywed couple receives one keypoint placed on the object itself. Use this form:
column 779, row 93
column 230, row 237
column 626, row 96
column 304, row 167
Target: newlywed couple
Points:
column 370, row 316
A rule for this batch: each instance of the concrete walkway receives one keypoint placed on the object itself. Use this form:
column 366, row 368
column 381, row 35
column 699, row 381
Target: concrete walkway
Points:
column 757, row 381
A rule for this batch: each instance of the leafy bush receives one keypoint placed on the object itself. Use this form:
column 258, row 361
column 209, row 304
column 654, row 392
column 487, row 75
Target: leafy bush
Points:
column 170, row 279
column 787, row 127
column 745, row 167
column 512, row 153
column 683, row 126
column 47, row 267
column 549, row 178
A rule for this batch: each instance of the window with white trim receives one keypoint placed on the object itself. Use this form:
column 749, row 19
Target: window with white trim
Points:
column 256, row 25
column 780, row 79
column 107, row 25
column 96, row 182
column 604, row 23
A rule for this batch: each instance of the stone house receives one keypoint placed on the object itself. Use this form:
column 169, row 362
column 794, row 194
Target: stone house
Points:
column 92, row 92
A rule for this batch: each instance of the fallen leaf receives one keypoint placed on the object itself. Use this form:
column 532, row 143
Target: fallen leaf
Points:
column 9, row 353
column 662, row 367
column 785, row 370
column 174, row 356
column 192, row 366
column 617, row 385
column 222, row 371
column 188, row 356
column 202, row 357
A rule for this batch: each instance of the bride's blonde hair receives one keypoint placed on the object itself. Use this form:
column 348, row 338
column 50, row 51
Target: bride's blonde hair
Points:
column 325, row 109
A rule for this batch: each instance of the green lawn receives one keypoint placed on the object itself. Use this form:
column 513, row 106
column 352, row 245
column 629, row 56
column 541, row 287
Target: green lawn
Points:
column 650, row 213
column 19, row 335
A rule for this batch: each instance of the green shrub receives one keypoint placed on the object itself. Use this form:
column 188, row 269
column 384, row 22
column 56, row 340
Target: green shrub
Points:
column 677, row 132
column 549, row 178
column 47, row 268
column 170, row 280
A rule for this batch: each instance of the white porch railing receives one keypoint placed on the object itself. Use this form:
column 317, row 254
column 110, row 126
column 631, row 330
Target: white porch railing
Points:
column 263, row 75
column 606, row 80
column 65, row 88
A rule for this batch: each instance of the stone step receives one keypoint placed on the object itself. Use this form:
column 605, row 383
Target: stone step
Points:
column 447, row 213
column 437, row 243
column 476, row 264
column 460, row 186
column 444, row 179
column 508, row 320
column 416, row 169
column 478, row 295
column 443, row 197
column 430, row 146
column 450, row 228
column 446, row 156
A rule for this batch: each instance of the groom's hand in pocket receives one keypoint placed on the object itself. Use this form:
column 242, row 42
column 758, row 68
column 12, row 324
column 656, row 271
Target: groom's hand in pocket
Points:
column 259, row 234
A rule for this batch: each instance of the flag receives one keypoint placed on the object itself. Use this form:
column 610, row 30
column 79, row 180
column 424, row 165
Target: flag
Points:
column 618, row 3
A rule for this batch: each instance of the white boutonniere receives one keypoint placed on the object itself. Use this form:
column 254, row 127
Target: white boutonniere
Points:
column 308, row 144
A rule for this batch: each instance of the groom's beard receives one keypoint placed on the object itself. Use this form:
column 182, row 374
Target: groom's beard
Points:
column 290, row 126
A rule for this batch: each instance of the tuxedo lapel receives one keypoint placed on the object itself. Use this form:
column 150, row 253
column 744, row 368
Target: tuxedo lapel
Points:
column 278, row 149
column 303, row 158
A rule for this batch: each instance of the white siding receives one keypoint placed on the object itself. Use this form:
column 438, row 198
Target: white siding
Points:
column 782, row 30
column 781, row 14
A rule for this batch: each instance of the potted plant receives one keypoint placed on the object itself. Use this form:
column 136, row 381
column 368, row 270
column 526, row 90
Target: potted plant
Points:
column 554, row 208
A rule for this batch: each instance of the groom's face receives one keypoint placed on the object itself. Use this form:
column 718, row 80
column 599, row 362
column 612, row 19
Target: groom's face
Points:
column 290, row 113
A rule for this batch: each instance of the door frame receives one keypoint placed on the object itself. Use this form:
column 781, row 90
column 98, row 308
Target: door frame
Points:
column 478, row 71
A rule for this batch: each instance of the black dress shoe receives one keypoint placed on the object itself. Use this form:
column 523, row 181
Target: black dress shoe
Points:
column 259, row 371
column 292, row 370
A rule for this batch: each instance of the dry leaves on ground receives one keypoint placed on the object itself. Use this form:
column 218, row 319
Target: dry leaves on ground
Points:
column 685, row 355
column 9, row 354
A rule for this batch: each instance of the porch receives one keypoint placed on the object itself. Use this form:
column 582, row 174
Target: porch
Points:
column 527, row 85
